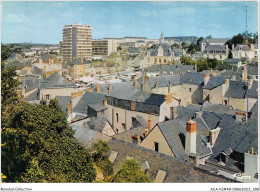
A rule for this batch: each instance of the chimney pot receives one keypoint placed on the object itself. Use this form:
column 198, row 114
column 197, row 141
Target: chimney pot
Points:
column 206, row 79
column 190, row 140
column 105, row 103
column 227, row 84
column 69, row 108
column 98, row 88
column 149, row 124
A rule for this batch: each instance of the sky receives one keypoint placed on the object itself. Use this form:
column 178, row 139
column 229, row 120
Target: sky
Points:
column 42, row 21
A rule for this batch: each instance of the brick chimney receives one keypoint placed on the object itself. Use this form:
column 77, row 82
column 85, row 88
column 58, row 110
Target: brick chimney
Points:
column 69, row 108
column 133, row 105
column 149, row 124
column 227, row 84
column 105, row 103
column 244, row 73
column 168, row 98
column 214, row 74
column 98, row 88
column 206, row 79
column 190, row 140
column 146, row 132
column 135, row 84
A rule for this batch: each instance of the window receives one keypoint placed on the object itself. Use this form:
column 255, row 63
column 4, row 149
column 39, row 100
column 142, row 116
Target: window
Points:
column 47, row 97
column 160, row 60
column 164, row 73
column 190, row 89
column 156, row 146
column 225, row 102
column 164, row 60
column 116, row 117
column 171, row 73
column 117, row 130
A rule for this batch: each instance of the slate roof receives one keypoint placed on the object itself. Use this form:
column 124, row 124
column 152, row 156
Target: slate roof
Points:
column 18, row 66
column 33, row 96
column 240, row 137
column 97, row 123
column 87, row 99
column 215, row 48
column 174, row 132
column 175, row 69
column 121, row 90
column 36, row 70
column 127, row 135
column 251, row 70
column 232, row 61
column 214, row 82
column 133, row 50
column 86, row 136
column 166, row 49
column 215, row 40
column 63, row 102
column 97, row 106
column 236, row 89
column 242, row 47
column 230, row 73
column 30, row 84
column 217, row 108
column 194, row 107
column 148, row 98
column 192, row 78
column 176, row 171
column 164, row 81
column 56, row 81
column 254, row 111
column 252, row 92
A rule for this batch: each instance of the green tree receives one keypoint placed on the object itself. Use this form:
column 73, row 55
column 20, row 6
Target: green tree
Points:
column 184, row 45
column 199, row 40
column 119, row 48
column 99, row 150
column 193, row 48
column 186, row 60
column 236, row 39
column 130, row 172
column 42, row 146
column 175, row 45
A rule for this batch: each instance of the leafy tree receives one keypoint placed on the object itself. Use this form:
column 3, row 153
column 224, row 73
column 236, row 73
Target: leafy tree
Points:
column 225, row 66
column 119, row 48
column 175, row 45
column 209, row 37
column 99, row 153
column 37, row 143
column 186, row 60
column 130, row 172
column 40, row 146
column 184, row 45
column 99, row 150
column 237, row 39
column 199, row 40
column 193, row 48
column 106, row 166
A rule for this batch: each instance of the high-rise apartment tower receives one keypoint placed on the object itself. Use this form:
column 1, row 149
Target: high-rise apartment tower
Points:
column 77, row 42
